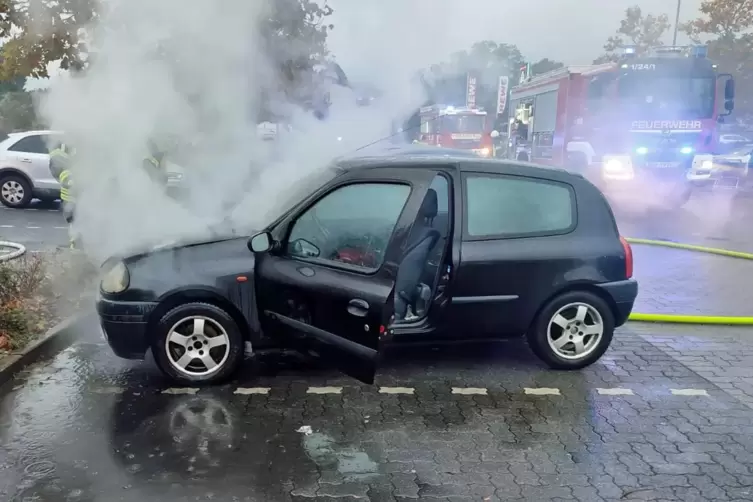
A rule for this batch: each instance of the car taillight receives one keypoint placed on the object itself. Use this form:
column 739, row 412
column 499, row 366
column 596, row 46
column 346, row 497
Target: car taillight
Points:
column 628, row 258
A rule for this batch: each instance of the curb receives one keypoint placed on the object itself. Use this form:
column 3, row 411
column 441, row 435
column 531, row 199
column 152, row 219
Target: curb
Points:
column 56, row 339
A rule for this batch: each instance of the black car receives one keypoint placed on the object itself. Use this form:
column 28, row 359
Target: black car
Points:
column 381, row 249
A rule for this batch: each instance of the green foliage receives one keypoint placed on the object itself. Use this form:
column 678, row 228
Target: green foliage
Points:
column 17, row 112
column 20, row 281
column 640, row 30
column 725, row 26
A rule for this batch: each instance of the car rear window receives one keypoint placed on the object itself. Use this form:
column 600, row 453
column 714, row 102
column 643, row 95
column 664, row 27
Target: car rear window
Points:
column 499, row 206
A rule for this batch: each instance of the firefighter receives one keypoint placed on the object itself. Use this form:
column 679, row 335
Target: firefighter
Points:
column 60, row 163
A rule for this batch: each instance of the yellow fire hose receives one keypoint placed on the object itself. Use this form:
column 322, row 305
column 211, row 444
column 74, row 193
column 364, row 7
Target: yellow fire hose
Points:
column 692, row 319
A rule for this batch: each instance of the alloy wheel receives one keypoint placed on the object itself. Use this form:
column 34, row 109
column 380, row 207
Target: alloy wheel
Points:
column 574, row 331
column 197, row 346
column 12, row 192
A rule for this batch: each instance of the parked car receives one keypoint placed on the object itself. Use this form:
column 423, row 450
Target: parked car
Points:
column 731, row 169
column 384, row 249
column 25, row 169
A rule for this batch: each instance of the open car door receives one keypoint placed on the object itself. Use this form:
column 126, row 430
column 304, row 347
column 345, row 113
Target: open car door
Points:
column 327, row 287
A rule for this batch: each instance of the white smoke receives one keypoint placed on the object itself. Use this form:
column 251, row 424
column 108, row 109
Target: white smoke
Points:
column 202, row 97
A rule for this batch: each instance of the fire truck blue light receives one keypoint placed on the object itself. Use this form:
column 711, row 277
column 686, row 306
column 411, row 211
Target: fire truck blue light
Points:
column 686, row 149
column 641, row 150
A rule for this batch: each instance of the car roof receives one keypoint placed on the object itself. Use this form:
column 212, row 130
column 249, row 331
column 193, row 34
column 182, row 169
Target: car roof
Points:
column 21, row 134
column 418, row 157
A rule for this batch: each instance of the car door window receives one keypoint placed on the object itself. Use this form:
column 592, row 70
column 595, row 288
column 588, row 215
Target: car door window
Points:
column 350, row 225
column 512, row 206
column 30, row 144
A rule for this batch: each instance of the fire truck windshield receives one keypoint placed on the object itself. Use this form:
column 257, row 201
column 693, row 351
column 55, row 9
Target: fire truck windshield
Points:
column 653, row 97
column 463, row 123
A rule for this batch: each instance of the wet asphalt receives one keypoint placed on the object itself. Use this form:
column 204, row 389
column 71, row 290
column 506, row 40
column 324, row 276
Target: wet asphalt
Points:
column 667, row 414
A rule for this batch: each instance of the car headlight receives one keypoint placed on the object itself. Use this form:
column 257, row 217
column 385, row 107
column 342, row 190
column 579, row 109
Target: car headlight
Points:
column 707, row 165
column 614, row 166
column 484, row 152
column 115, row 279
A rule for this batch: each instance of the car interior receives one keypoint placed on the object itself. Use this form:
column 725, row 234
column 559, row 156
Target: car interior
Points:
column 420, row 270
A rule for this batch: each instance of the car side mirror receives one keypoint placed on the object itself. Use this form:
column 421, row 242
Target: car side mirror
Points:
column 495, row 134
column 260, row 243
column 305, row 249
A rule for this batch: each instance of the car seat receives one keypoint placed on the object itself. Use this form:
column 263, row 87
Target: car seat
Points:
column 422, row 240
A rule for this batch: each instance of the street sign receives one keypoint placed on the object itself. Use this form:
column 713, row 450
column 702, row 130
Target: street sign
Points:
column 470, row 92
column 502, row 94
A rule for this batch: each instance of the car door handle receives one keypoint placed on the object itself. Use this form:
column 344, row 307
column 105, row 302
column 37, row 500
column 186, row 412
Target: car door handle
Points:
column 27, row 161
column 358, row 307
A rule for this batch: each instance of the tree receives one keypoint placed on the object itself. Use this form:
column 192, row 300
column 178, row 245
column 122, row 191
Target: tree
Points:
column 487, row 60
column 725, row 26
column 638, row 30
column 40, row 32
column 17, row 112
column 545, row 65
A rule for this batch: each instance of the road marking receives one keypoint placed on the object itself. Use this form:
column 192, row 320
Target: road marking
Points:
column 60, row 228
column 7, row 226
column 245, row 391
column 107, row 390
column 688, row 392
column 617, row 391
column 396, row 390
column 542, row 391
column 324, row 390
column 469, row 391
column 181, row 391
column 32, row 228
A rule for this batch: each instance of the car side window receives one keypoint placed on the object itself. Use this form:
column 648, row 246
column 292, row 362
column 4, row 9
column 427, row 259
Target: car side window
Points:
column 512, row 206
column 30, row 144
column 352, row 224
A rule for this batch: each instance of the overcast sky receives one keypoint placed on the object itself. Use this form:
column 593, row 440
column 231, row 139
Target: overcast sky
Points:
column 572, row 31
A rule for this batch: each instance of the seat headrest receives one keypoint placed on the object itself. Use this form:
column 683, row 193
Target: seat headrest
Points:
column 430, row 205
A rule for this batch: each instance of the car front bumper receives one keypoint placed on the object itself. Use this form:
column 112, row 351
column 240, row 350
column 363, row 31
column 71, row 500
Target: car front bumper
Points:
column 125, row 326
column 623, row 294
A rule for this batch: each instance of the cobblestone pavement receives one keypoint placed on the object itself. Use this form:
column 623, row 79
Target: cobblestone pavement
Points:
column 665, row 415
column 686, row 282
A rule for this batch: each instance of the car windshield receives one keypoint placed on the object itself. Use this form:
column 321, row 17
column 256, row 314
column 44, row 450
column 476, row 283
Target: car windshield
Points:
column 463, row 123
column 668, row 97
column 301, row 189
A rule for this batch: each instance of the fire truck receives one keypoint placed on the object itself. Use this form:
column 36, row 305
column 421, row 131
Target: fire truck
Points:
column 645, row 121
column 459, row 127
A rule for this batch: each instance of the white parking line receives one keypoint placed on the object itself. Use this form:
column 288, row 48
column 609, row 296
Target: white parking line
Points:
column 181, row 391
column 469, row 391
column 542, row 391
column 396, row 390
column 324, row 390
column 689, row 392
column 33, row 228
column 7, row 226
column 617, row 391
column 246, row 391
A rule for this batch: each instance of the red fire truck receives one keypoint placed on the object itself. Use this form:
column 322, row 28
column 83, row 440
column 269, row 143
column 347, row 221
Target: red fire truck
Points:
column 456, row 127
column 650, row 118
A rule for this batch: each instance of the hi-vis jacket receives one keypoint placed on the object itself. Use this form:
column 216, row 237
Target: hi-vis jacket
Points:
column 59, row 167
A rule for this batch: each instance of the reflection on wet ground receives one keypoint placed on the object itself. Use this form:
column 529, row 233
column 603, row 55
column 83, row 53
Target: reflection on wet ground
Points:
column 481, row 423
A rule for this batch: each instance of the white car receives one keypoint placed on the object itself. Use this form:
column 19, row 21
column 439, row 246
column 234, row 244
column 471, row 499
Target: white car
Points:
column 25, row 168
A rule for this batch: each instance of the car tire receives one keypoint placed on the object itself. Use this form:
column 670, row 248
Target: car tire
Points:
column 16, row 182
column 190, row 330
column 559, row 317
